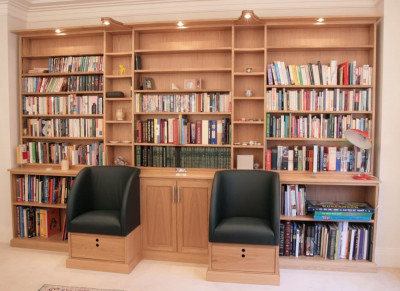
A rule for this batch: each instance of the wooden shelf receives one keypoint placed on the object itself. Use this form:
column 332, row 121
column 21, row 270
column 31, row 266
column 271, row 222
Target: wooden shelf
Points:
column 182, row 91
column 53, row 243
column 61, row 115
column 177, row 70
column 64, row 93
column 181, row 145
column 119, row 54
column 61, row 74
column 182, row 113
column 320, row 48
column 44, row 170
column 61, row 138
column 320, row 86
column 307, row 139
column 299, row 112
column 310, row 218
column 118, row 99
column 173, row 51
column 42, row 205
column 118, row 76
column 319, row 263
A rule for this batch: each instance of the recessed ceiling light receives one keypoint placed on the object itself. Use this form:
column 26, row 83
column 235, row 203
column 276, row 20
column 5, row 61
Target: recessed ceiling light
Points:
column 180, row 23
column 106, row 22
column 58, row 30
column 320, row 20
column 247, row 16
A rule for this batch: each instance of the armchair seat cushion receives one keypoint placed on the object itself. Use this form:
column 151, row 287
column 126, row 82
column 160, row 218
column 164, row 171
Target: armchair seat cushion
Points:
column 244, row 230
column 98, row 222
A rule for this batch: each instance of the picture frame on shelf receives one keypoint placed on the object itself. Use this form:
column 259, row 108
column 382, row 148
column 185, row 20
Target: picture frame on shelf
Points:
column 191, row 84
column 147, row 83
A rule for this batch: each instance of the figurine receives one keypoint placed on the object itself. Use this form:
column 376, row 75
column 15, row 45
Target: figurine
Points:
column 174, row 87
column 122, row 70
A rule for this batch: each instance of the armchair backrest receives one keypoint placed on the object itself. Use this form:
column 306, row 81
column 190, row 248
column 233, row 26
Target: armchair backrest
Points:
column 246, row 193
column 108, row 185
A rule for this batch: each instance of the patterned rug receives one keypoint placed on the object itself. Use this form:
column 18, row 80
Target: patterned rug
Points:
column 49, row 287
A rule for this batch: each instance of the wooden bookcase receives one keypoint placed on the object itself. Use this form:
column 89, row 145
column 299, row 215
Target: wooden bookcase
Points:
column 229, row 58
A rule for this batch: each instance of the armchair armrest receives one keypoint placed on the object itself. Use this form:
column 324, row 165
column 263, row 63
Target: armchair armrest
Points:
column 274, row 213
column 216, row 203
column 79, row 200
column 130, row 208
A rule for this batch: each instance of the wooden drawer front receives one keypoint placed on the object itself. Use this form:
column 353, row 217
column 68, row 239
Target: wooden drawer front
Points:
column 243, row 258
column 97, row 247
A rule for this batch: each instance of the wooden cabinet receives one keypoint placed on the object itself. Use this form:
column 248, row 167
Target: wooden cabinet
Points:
column 174, row 217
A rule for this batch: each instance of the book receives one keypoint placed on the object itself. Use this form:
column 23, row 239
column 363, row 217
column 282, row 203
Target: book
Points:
column 339, row 206
column 342, row 218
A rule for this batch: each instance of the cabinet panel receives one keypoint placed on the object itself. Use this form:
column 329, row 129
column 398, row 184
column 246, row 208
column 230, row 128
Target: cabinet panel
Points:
column 158, row 213
column 193, row 207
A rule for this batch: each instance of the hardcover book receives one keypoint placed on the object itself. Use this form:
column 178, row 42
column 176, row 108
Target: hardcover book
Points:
column 339, row 206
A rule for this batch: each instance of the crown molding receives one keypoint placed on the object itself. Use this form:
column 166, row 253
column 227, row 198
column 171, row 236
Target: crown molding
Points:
column 39, row 13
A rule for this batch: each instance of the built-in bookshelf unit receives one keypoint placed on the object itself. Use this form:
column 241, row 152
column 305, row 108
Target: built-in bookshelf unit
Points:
column 198, row 99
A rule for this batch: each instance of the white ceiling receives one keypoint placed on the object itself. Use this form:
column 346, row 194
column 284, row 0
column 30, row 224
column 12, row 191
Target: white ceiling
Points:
column 39, row 13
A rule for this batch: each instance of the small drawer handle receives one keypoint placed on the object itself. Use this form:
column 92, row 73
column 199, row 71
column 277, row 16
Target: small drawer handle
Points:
column 243, row 250
column 97, row 239
column 97, row 245
column 243, row 256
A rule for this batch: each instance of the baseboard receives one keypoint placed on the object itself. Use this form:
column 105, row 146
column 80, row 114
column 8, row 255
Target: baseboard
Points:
column 243, row 277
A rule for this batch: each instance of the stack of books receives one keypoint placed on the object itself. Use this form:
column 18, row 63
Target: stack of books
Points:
column 340, row 210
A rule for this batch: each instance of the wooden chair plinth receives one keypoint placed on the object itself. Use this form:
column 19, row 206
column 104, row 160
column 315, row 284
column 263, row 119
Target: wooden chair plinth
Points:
column 241, row 263
column 105, row 252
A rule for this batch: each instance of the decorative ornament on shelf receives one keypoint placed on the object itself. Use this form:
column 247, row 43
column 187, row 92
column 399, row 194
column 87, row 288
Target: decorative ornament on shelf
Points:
column 174, row 86
column 360, row 139
column 122, row 70
column 119, row 114
column 120, row 161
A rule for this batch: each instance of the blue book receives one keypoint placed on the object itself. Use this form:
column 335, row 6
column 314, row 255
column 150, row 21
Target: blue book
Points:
column 213, row 131
column 342, row 218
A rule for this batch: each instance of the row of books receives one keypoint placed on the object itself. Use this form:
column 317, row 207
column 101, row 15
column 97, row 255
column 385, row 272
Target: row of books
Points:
column 341, row 240
column 193, row 102
column 70, row 127
column 183, row 131
column 322, row 100
column 340, row 210
column 63, row 84
column 38, row 222
column 76, row 64
column 318, row 159
column 293, row 200
column 313, row 126
column 346, row 73
column 71, row 104
column 183, row 157
column 43, row 189
column 36, row 152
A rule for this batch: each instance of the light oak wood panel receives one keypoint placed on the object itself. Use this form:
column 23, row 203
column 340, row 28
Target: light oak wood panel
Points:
column 112, row 107
column 53, row 243
column 245, row 132
column 362, row 57
column 186, row 61
column 193, row 207
column 319, row 36
column 63, row 45
column 119, row 132
column 113, row 151
column 118, row 42
column 248, row 109
column 254, row 83
column 124, row 85
column 113, row 63
column 209, row 80
column 258, row 154
column 184, row 39
column 249, row 37
column 254, row 60
column 158, row 214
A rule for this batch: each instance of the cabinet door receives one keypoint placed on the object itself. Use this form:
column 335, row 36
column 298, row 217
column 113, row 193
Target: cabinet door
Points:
column 158, row 213
column 193, row 207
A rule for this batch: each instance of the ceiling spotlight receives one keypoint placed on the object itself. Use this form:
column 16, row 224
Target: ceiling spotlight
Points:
column 58, row 30
column 320, row 20
column 180, row 23
column 247, row 16
column 106, row 22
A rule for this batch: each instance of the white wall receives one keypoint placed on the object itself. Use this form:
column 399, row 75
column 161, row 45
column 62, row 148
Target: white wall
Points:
column 388, row 238
column 8, row 116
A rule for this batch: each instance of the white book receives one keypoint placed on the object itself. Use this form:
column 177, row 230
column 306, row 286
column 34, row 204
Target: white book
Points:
column 333, row 77
column 204, row 131
column 315, row 159
column 290, row 160
column 351, row 244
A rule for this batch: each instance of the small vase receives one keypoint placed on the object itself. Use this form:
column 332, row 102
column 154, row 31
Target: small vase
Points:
column 120, row 114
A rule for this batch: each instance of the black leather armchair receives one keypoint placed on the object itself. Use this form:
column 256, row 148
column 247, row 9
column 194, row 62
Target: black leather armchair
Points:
column 104, row 200
column 244, row 207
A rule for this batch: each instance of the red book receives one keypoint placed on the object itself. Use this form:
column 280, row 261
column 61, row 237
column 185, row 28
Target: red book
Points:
column 140, row 132
column 345, row 67
column 268, row 160
column 175, row 132
column 310, row 167
column 53, row 221
column 198, row 131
